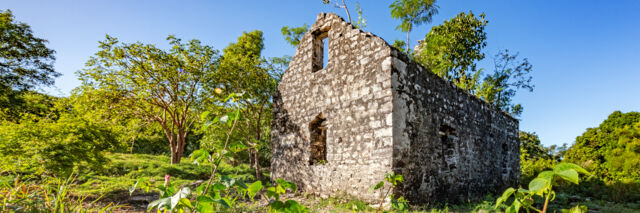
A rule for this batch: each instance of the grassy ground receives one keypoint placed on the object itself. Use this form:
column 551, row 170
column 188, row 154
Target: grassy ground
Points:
column 123, row 170
column 113, row 182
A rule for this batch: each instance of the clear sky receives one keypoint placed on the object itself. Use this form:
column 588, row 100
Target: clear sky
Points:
column 585, row 54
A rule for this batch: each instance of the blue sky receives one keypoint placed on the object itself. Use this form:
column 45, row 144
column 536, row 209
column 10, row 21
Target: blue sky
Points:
column 585, row 54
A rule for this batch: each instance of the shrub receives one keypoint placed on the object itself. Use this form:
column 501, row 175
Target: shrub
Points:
column 53, row 146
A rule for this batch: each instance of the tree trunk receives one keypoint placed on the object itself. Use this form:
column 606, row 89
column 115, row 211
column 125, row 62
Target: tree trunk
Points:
column 176, row 153
column 255, row 161
column 408, row 43
column 133, row 142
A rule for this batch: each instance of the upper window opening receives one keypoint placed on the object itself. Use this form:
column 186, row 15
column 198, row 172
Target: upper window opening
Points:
column 320, row 49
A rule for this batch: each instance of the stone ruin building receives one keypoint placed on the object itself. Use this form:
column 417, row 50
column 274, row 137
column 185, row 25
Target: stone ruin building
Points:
column 351, row 108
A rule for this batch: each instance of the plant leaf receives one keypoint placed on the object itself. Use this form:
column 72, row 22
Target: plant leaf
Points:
column 569, row 175
column 547, row 175
column 183, row 193
column 505, row 195
column 538, row 185
column 566, row 166
column 253, row 189
column 377, row 186
column 133, row 188
column 159, row 203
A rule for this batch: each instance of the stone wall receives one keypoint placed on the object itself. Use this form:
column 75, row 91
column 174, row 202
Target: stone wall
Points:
column 340, row 127
column 350, row 100
column 448, row 144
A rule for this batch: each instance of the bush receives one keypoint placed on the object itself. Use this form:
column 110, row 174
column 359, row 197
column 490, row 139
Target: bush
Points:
column 53, row 146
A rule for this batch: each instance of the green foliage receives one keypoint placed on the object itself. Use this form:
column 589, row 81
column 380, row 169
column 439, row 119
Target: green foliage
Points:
column 25, row 63
column 221, row 192
column 541, row 186
column 362, row 21
column 244, row 71
column 278, row 205
column 122, row 171
column 27, row 105
column 611, row 150
column 134, row 133
column 509, row 76
column 400, row 45
column 48, row 195
column 160, row 86
column 412, row 12
column 25, row 60
column 293, row 34
column 53, row 146
column 399, row 204
column 452, row 49
column 534, row 158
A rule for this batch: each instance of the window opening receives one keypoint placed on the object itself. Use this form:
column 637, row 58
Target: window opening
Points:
column 318, row 137
column 320, row 49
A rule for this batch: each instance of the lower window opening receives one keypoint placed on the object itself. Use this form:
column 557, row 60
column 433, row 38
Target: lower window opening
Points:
column 318, row 140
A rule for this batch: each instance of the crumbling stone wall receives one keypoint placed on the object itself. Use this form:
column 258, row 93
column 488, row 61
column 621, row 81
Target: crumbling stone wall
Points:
column 449, row 145
column 352, row 96
column 340, row 127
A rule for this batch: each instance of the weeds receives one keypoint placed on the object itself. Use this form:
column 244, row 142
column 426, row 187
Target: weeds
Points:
column 50, row 195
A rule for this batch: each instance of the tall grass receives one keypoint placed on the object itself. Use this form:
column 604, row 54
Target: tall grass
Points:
column 51, row 194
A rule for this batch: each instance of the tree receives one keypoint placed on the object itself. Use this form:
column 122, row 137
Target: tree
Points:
column 452, row 49
column 530, row 144
column 56, row 143
column 18, row 106
column 611, row 150
column 293, row 34
column 509, row 75
column 534, row 158
column 400, row 45
column 243, row 70
column 341, row 6
column 412, row 12
column 25, row 61
column 162, row 86
column 129, row 129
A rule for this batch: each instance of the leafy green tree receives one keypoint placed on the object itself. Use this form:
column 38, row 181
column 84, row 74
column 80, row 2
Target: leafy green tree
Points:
column 530, row 144
column 25, row 63
column 17, row 106
column 132, row 131
column 25, row 60
column 624, row 158
column 611, row 150
column 293, row 34
column 534, row 157
column 509, row 75
column 412, row 12
column 243, row 70
column 55, row 144
column 453, row 48
column 162, row 86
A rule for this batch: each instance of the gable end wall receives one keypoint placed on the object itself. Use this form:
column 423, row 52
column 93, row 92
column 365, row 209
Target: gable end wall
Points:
column 353, row 92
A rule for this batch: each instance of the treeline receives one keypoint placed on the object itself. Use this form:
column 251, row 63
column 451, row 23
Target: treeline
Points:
column 611, row 152
column 138, row 98
column 134, row 98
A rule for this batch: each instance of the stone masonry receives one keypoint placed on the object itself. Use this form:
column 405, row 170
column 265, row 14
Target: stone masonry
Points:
column 339, row 126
